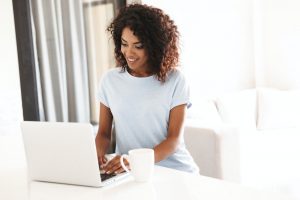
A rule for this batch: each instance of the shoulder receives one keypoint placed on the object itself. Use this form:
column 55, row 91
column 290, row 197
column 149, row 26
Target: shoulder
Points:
column 176, row 75
column 113, row 72
column 109, row 76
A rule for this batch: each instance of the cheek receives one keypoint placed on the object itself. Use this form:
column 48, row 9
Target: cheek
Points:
column 145, row 57
column 140, row 54
column 122, row 51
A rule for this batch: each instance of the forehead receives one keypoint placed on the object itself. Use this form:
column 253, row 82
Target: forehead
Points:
column 127, row 34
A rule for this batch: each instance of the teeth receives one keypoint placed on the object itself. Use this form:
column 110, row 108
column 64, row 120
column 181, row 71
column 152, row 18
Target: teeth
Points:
column 131, row 59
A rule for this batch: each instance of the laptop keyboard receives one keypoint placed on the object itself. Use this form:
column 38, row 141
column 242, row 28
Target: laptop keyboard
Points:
column 106, row 176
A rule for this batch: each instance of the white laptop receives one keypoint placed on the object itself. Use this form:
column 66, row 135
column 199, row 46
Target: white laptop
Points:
column 63, row 152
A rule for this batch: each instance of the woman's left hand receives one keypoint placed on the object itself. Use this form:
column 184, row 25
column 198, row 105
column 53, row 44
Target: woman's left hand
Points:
column 114, row 165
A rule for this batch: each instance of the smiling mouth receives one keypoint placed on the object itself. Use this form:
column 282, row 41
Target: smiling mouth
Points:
column 131, row 60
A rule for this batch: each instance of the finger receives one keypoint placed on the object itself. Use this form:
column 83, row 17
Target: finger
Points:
column 102, row 161
column 126, row 162
column 116, row 167
column 107, row 165
column 119, row 170
column 112, row 165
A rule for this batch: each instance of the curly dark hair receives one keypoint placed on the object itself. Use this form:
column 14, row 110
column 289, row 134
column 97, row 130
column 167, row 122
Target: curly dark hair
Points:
column 156, row 31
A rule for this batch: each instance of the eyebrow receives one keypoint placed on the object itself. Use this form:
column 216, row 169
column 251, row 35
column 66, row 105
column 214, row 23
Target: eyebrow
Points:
column 133, row 43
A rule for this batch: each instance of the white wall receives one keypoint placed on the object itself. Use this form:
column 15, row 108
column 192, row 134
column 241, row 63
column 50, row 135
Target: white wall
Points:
column 217, row 48
column 10, row 95
column 281, row 46
column 236, row 44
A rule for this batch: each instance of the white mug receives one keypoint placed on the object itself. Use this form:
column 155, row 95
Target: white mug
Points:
column 141, row 162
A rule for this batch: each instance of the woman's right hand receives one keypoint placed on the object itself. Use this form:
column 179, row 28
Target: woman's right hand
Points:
column 102, row 160
column 103, row 136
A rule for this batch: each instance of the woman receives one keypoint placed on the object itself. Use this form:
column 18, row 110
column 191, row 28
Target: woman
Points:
column 146, row 95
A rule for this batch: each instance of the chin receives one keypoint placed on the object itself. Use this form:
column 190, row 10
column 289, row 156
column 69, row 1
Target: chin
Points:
column 131, row 67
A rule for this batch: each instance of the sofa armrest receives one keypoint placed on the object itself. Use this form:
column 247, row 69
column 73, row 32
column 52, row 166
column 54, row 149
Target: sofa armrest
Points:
column 200, row 142
column 215, row 149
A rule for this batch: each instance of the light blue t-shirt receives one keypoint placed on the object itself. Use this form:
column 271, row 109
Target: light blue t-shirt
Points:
column 140, row 107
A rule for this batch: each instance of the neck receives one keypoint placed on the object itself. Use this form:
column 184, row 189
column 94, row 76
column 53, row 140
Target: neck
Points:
column 139, row 73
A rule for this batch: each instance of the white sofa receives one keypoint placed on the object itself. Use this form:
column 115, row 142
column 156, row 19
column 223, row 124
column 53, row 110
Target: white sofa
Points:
column 251, row 137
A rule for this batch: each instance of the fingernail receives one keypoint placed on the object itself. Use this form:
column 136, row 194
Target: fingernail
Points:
column 108, row 172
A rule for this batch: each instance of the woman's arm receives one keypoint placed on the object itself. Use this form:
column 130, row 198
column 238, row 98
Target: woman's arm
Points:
column 165, row 148
column 103, row 137
column 175, row 129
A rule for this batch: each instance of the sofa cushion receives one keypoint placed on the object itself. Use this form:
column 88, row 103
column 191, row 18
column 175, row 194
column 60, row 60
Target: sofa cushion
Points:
column 205, row 111
column 238, row 108
column 278, row 109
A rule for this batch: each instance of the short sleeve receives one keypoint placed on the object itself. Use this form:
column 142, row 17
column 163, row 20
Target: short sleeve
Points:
column 181, row 94
column 102, row 95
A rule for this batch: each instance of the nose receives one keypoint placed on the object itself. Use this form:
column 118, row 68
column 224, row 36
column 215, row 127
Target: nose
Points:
column 129, row 51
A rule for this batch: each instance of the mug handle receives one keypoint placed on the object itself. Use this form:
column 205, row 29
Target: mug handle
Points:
column 122, row 162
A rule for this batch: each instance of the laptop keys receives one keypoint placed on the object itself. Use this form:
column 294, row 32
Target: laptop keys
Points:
column 106, row 176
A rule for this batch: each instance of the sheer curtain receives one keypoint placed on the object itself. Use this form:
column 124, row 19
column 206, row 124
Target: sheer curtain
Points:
column 72, row 51
column 100, row 47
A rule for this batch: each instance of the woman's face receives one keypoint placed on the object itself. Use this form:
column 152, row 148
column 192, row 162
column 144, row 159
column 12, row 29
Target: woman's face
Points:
column 134, row 53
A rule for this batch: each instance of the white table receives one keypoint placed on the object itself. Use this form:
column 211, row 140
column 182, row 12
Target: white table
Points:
column 166, row 184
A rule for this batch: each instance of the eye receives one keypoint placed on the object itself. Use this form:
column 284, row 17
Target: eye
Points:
column 139, row 46
column 124, row 45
